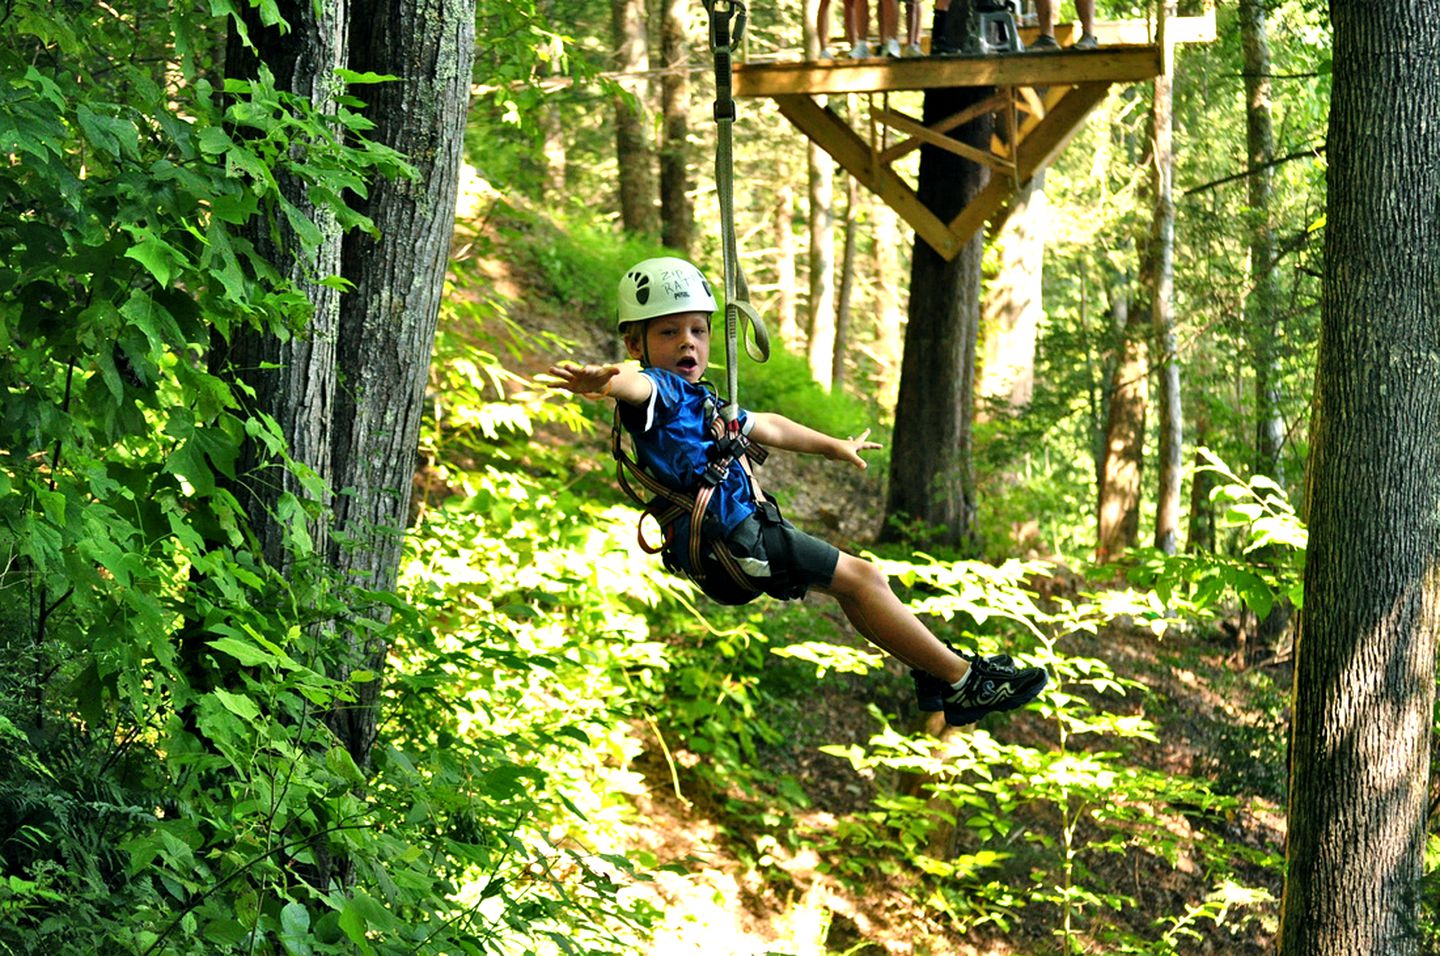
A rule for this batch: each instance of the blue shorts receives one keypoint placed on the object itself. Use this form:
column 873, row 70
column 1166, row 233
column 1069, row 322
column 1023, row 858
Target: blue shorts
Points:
column 780, row 559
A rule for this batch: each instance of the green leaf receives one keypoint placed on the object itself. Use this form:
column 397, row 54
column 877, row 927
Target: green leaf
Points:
column 238, row 704
column 295, row 929
column 247, row 654
column 157, row 256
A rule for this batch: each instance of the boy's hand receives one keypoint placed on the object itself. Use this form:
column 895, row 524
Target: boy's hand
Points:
column 849, row 449
column 592, row 381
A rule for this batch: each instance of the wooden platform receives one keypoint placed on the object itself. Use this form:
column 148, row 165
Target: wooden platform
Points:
column 1039, row 100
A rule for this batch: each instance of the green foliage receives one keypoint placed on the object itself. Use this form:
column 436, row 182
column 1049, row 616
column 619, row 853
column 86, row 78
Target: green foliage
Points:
column 1272, row 545
column 1007, row 827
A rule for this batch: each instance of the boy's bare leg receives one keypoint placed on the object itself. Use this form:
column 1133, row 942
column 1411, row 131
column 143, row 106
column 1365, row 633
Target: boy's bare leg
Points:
column 1045, row 16
column 865, row 596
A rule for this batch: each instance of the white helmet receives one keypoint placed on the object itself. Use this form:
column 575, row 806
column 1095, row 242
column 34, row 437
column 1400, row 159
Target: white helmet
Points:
column 663, row 286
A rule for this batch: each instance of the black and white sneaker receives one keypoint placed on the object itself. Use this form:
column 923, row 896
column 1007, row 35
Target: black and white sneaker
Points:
column 995, row 684
column 931, row 691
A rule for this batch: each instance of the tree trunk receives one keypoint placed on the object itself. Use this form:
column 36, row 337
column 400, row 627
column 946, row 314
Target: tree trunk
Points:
column 552, row 124
column 388, row 321
column 1261, row 318
column 931, row 467
column 847, row 287
column 889, row 322
column 820, row 318
column 785, row 284
column 820, row 311
column 1167, row 503
column 1365, row 663
column 632, row 142
column 1014, row 307
column 1201, row 535
column 1123, row 454
column 293, row 377
column 677, row 209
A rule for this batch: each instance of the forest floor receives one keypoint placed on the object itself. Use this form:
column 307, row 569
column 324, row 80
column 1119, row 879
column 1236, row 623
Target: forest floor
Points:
column 1212, row 722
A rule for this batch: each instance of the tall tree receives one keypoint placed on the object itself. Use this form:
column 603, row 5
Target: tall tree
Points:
column 632, row 140
column 1010, row 316
column 292, row 377
column 845, row 303
column 785, row 283
column 677, row 209
column 931, row 466
column 387, row 321
column 1365, row 660
column 1261, row 306
column 1162, row 304
column 889, row 320
column 1122, row 454
column 820, row 313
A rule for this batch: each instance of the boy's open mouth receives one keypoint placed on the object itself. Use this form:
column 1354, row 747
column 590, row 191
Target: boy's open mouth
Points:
column 687, row 363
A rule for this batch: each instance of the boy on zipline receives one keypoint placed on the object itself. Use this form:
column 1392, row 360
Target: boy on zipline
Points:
column 664, row 316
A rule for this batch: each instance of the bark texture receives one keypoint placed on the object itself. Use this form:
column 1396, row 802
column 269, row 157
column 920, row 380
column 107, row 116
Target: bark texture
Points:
column 632, row 143
column 677, row 209
column 1365, row 664
column 1123, row 453
column 1162, row 285
column 294, row 376
column 1261, row 318
column 931, row 468
column 387, row 324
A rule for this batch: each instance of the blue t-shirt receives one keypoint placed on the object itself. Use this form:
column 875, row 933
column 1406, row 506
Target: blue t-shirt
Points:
column 672, row 441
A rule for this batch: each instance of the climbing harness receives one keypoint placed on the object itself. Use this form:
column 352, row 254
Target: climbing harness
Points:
column 667, row 506
column 731, row 448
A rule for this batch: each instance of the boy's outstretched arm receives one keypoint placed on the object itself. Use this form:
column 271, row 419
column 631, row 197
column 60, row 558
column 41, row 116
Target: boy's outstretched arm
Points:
column 620, row 382
column 777, row 431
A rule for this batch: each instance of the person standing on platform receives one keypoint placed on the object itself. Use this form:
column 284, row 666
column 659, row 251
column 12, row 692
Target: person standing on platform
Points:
column 1045, row 12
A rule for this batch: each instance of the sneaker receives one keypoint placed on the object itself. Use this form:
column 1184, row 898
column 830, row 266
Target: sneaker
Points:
column 914, row 50
column 994, row 685
column 860, row 51
column 1087, row 42
column 824, row 54
column 892, row 48
column 1044, row 41
column 931, row 691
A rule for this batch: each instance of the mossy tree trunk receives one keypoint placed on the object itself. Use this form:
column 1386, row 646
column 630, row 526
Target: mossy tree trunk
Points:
column 1365, row 661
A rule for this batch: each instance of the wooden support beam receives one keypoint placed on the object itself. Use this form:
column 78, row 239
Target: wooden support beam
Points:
column 925, row 134
column 989, row 105
column 832, row 134
column 1036, row 151
column 1120, row 64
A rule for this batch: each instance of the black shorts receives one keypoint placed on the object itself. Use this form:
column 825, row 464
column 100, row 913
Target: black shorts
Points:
column 780, row 559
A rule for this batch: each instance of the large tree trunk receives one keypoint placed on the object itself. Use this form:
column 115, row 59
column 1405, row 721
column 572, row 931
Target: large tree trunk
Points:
column 294, row 376
column 1365, row 665
column 1162, row 285
column 931, row 467
column 1261, row 319
column 388, row 321
column 1014, row 307
column 632, row 142
column 1123, row 453
column 677, row 209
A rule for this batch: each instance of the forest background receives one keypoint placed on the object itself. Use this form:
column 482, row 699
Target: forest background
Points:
column 227, row 726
